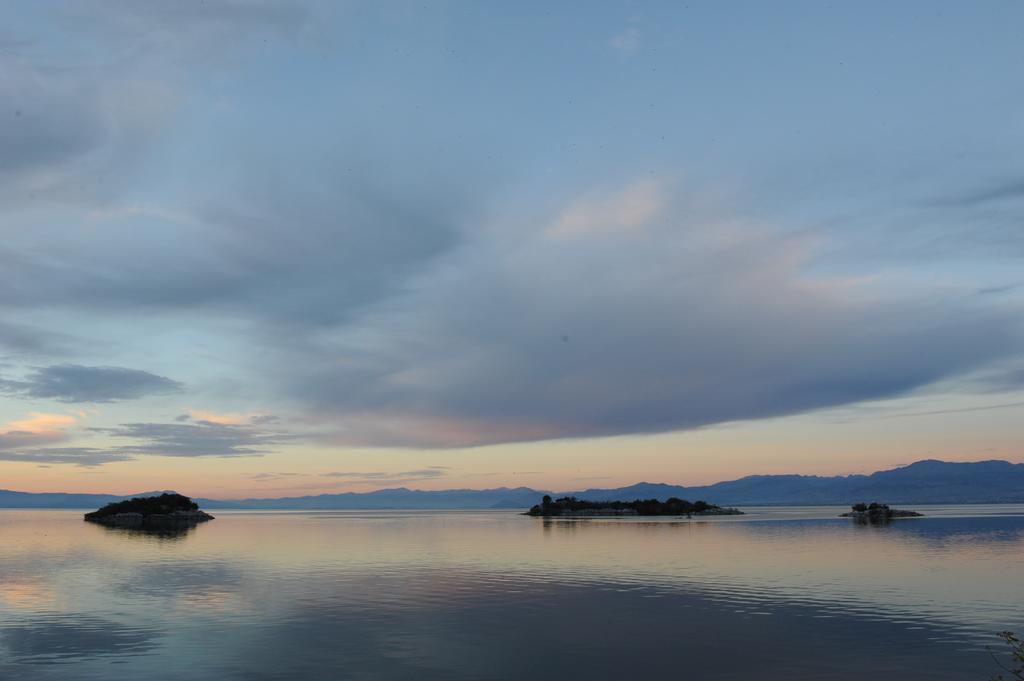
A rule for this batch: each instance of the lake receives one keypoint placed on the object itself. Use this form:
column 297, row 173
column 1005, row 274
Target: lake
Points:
column 781, row 593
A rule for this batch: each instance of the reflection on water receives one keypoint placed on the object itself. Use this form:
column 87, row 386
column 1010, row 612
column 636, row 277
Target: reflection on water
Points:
column 776, row 594
column 163, row 533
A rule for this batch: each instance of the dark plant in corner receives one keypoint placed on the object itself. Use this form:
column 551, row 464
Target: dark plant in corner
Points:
column 1016, row 668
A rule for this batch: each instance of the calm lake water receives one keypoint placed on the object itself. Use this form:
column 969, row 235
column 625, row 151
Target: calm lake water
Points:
column 777, row 594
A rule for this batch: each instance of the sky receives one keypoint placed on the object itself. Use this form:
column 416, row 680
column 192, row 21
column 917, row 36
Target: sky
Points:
column 274, row 248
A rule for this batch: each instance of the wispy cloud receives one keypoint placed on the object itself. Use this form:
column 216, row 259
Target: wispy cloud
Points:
column 625, row 210
column 391, row 477
column 29, row 440
column 39, row 429
column 195, row 439
column 21, row 339
column 273, row 476
column 628, row 41
column 39, row 422
column 996, row 290
column 228, row 419
column 215, row 418
column 76, row 383
column 21, row 439
column 1006, row 190
column 85, row 457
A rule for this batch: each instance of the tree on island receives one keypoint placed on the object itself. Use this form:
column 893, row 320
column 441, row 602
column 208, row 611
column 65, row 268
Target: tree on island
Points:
column 165, row 503
column 876, row 513
column 672, row 506
column 167, row 510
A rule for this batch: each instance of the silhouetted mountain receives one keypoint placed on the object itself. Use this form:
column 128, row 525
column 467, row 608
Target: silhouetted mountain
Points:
column 924, row 482
column 9, row 499
column 399, row 497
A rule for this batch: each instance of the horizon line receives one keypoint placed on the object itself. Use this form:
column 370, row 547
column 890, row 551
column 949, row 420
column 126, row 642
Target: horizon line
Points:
column 522, row 487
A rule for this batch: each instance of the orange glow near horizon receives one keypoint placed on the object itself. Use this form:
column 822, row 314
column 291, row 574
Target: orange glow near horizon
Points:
column 829, row 443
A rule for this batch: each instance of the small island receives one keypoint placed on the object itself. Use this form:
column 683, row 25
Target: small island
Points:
column 876, row 513
column 163, row 512
column 572, row 507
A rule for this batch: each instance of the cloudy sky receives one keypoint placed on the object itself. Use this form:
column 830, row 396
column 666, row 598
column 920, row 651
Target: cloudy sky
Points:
column 268, row 248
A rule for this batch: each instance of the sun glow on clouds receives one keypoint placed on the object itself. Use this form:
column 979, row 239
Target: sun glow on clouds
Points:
column 256, row 418
column 38, row 429
column 40, row 423
column 431, row 432
column 626, row 210
column 219, row 419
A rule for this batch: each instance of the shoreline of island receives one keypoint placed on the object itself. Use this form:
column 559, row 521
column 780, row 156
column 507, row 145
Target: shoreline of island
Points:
column 876, row 513
column 164, row 512
column 571, row 507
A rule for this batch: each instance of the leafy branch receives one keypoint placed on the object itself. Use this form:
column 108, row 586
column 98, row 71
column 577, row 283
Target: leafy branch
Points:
column 1016, row 668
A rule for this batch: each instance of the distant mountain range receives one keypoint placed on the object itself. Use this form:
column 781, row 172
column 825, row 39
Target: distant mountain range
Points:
column 923, row 482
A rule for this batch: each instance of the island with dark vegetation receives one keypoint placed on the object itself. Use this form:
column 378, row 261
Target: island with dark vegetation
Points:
column 573, row 507
column 876, row 513
column 163, row 512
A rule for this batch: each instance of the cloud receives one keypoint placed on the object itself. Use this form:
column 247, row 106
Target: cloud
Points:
column 232, row 419
column 21, row 339
column 85, row 457
column 37, row 430
column 682, row 321
column 1007, row 190
column 368, row 274
column 76, row 383
column 194, row 439
column 159, row 22
column 291, row 249
column 77, row 121
column 628, row 209
column 291, row 253
column 25, row 441
column 399, row 477
column 39, row 422
column 272, row 476
column 214, row 418
column 996, row 290
column 50, row 120
column 17, row 439
column 69, row 129
column 628, row 41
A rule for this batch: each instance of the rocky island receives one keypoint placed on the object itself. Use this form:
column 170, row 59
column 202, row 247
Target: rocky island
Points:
column 876, row 513
column 163, row 512
column 571, row 507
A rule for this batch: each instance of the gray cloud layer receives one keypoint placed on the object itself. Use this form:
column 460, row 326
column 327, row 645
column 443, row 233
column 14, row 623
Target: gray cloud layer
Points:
column 198, row 439
column 76, row 383
column 31, row 447
column 1007, row 190
column 21, row 339
column 673, row 327
column 399, row 477
column 17, row 439
column 86, row 457
column 194, row 439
